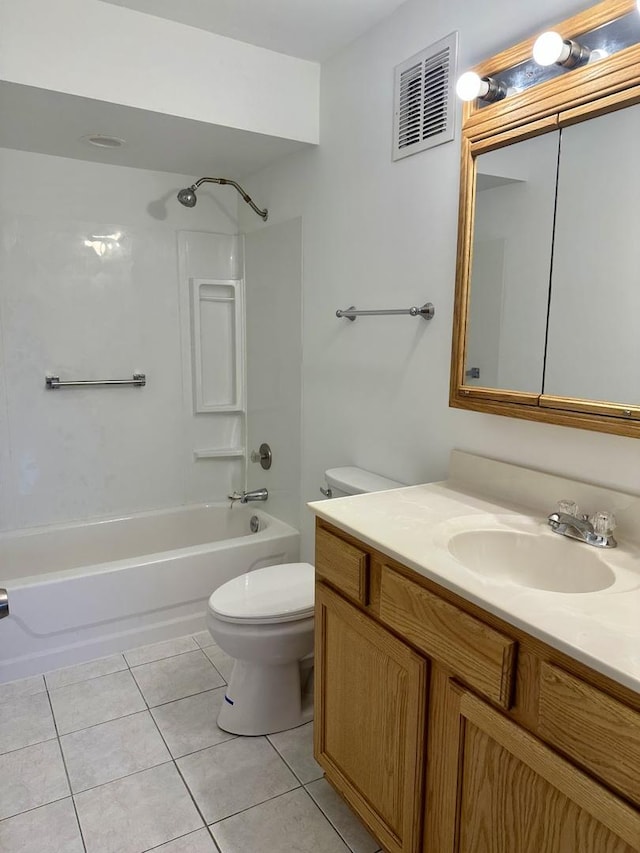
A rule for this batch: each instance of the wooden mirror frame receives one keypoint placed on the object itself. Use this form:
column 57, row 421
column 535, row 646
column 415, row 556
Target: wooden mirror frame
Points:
column 577, row 95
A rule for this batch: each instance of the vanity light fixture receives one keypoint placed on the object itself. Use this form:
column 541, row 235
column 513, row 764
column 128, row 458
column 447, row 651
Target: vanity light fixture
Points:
column 551, row 49
column 471, row 86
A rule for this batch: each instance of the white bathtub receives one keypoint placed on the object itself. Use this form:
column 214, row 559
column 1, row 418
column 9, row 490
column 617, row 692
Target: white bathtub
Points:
column 81, row 591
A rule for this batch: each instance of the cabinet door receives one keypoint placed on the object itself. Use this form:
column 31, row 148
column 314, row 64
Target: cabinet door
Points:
column 371, row 697
column 513, row 794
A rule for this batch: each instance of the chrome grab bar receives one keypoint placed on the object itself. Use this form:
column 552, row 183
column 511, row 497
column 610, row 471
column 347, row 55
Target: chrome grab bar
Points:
column 426, row 311
column 4, row 603
column 139, row 380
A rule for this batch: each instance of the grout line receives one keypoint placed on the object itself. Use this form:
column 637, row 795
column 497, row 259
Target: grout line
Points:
column 184, row 781
column 164, row 657
column 202, row 748
column 27, row 745
column 177, row 838
column 283, row 759
column 147, row 709
column 120, row 778
column 82, row 680
column 66, row 769
column 329, row 820
column 261, row 803
column 104, row 723
column 175, row 764
column 35, row 808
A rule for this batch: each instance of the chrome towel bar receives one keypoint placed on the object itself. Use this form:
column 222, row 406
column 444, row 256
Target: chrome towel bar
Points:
column 425, row 311
column 139, row 380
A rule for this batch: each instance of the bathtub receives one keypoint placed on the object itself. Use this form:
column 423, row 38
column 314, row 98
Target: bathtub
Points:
column 85, row 590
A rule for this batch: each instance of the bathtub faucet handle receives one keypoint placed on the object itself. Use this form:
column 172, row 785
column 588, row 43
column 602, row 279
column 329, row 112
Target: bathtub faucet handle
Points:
column 236, row 496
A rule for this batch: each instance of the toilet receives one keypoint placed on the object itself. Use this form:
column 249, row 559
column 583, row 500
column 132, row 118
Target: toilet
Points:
column 263, row 619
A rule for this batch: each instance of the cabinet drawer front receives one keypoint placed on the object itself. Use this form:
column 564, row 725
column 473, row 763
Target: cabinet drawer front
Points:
column 343, row 565
column 596, row 731
column 478, row 655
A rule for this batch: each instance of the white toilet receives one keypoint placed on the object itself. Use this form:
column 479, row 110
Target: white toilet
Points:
column 264, row 620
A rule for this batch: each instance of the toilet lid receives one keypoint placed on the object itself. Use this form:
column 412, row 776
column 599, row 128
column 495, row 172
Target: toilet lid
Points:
column 276, row 593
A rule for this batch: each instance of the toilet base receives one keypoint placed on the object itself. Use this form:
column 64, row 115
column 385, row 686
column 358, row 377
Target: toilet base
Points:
column 262, row 700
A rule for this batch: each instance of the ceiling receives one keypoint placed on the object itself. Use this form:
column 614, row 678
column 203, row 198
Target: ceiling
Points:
column 307, row 29
column 49, row 122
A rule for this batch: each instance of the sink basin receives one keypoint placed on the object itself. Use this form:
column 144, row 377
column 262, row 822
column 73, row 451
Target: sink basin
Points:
column 538, row 561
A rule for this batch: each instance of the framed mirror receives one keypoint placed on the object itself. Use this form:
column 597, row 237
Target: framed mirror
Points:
column 547, row 310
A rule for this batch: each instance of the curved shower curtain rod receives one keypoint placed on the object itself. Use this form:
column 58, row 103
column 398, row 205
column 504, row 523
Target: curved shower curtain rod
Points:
column 188, row 197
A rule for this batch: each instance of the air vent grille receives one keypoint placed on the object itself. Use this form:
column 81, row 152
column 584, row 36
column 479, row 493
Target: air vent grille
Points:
column 424, row 100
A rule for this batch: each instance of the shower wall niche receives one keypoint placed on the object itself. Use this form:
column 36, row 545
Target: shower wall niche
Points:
column 213, row 358
column 217, row 314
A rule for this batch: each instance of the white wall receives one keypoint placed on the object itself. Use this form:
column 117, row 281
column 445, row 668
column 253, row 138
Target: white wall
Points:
column 68, row 310
column 274, row 355
column 109, row 53
column 383, row 234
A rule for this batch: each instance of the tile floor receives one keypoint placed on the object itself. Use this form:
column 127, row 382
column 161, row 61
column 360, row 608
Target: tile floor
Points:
column 123, row 755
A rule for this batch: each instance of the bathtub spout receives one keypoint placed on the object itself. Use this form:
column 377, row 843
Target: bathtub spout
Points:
column 245, row 497
column 4, row 603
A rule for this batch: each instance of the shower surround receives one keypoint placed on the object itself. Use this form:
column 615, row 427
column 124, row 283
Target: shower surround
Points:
column 95, row 263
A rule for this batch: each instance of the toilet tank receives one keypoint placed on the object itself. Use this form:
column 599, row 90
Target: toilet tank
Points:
column 357, row 481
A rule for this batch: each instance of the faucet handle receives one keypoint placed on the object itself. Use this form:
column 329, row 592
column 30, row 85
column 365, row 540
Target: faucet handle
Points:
column 603, row 523
column 569, row 508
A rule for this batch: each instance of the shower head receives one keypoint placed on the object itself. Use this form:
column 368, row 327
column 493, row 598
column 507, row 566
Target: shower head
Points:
column 188, row 197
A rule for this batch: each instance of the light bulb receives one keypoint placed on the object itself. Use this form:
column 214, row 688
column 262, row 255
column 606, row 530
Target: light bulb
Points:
column 470, row 86
column 550, row 48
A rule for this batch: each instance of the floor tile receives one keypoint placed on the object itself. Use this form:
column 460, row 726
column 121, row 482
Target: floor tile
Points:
column 22, row 687
column 84, row 671
column 296, row 747
column 53, row 828
column 174, row 678
column 157, row 651
column 343, row 819
column 96, row 701
column 112, row 750
column 203, row 639
column 196, row 842
column 137, row 813
column 25, row 720
column 287, row 824
column 235, row 775
column 189, row 725
column 221, row 660
column 31, row 777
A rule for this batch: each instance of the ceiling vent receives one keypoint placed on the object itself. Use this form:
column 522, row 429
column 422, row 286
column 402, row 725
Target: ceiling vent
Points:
column 424, row 102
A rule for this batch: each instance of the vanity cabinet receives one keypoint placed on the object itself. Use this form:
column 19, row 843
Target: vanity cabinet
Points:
column 511, row 793
column 370, row 719
column 448, row 730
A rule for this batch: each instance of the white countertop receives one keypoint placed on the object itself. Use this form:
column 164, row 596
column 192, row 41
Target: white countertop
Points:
column 411, row 525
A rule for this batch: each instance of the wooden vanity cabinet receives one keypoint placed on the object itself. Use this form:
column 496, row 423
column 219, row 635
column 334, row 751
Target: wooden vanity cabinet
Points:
column 370, row 710
column 449, row 731
column 504, row 791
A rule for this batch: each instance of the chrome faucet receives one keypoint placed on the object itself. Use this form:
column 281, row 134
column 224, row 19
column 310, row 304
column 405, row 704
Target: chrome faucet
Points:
column 596, row 531
column 245, row 497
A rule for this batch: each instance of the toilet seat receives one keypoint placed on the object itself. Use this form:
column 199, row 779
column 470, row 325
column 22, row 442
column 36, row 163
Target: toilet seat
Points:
column 282, row 593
